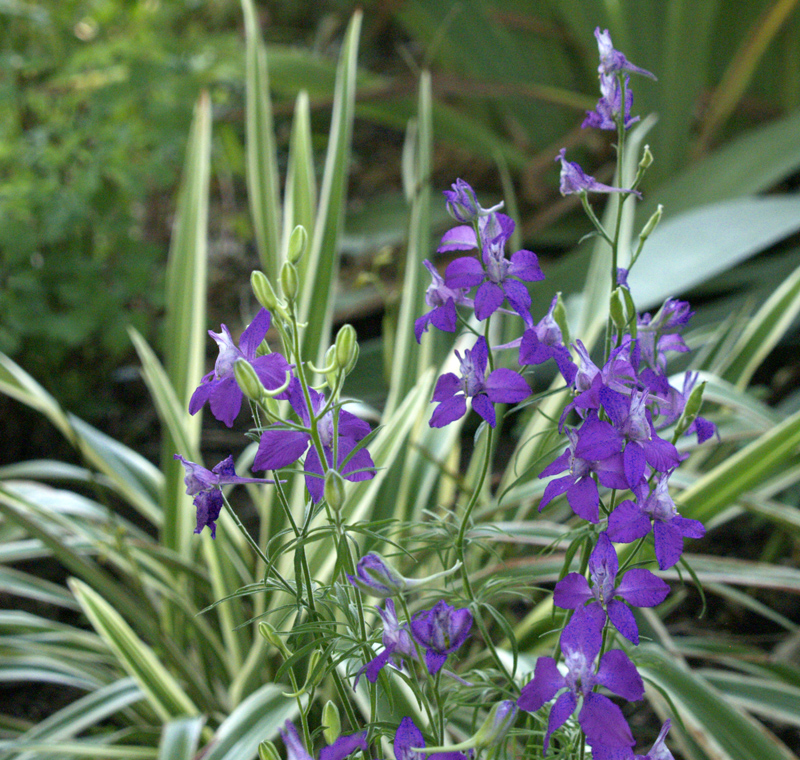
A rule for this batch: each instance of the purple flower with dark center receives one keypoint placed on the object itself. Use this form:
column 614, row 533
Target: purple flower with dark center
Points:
column 408, row 740
column 498, row 277
column 544, row 341
column 340, row 749
column 441, row 631
column 631, row 521
column 501, row 386
column 612, row 61
column 639, row 588
column 601, row 720
column 204, row 485
column 575, row 180
column 462, row 204
column 397, row 644
column 658, row 751
column 219, row 387
column 443, row 300
column 630, row 416
column 595, row 448
column 279, row 446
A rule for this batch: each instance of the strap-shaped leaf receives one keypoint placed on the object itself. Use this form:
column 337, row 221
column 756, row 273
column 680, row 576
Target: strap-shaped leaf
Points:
column 720, row 730
column 256, row 719
column 163, row 692
column 262, row 163
column 316, row 300
column 180, row 738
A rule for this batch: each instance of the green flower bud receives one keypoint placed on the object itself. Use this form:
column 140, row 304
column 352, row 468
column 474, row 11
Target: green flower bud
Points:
column 346, row 345
column 560, row 317
column 332, row 723
column 290, row 284
column 331, row 361
column 314, row 673
column 263, row 290
column 691, row 409
column 247, row 380
column 268, row 631
column 652, row 223
column 616, row 309
column 647, row 158
column 334, row 489
column 298, row 241
column 499, row 720
column 267, row 751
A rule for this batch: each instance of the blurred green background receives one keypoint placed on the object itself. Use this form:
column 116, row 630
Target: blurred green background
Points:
column 96, row 104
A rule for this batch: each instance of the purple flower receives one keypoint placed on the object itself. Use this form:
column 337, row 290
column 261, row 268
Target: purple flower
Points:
column 631, row 521
column 408, row 740
column 340, row 749
column 595, row 448
column 441, row 631
column 601, row 720
column 219, row 387
column 658, row 751
column 443, row 300
column 544, row 341
column 375, row 576
column 575, row 180
column 612, row 61
column 631, row 418
column 609, row 107
column 280, row 446
column 502, row 386
column 462, row 204
column 498, row 277
column 639, row 588
column 397, row 643
column 204, row 485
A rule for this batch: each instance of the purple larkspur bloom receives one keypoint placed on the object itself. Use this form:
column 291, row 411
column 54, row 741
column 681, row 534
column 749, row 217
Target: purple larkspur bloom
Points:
column 204, row 486
column 601, row 720
column 631, row 521
column 596, row 447
column 408, row 740
column 340, row 749
column 659, row 750
column 609, row 106
column 497, row 278
column 462, row 204
column 279, row 446
column 638, row 588
column 501, row 386
column 397, row 643
column 443, row 300
column 375, row 576
column 219, row 388
column 575, row 180
column 611, row 60
column 630, row 416
column 440, row 631
column 544, row 341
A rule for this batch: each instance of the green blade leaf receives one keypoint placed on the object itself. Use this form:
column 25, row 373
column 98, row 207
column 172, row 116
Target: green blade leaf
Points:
column 180, row 738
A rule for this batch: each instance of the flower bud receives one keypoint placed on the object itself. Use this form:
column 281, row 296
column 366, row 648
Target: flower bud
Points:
column 247, row 380
column 376, row 577
column 652, row 223
column 346, row 346
column 560, row 317
column 334, row 489
column 314, row 673
column 647, row 158
column 331, row 722
column 499, row 720
column 263, row 290
column 616, row 310
column 298, row 242
column 691, row 409
column 290, row 284
column 268, row 632
column 331, row 361
column 267, row 751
